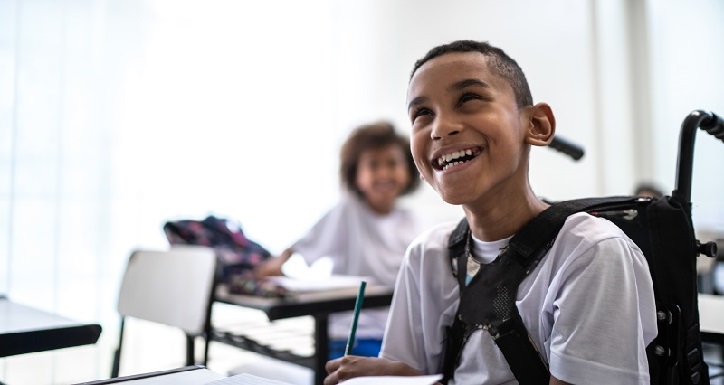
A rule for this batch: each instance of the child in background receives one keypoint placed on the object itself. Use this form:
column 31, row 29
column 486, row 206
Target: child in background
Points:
column 366, row 233
column 648, row 190
column 588, row 306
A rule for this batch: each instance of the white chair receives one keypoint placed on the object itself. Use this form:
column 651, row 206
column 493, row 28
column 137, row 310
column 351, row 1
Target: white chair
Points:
column 172, row 287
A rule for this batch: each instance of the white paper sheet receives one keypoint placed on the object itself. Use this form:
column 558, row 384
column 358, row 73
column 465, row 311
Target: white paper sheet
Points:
column 394, row 380
column 298, row 285
column 246, row 379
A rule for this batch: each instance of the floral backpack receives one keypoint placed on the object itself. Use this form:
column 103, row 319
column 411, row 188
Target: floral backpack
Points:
column 236, row 254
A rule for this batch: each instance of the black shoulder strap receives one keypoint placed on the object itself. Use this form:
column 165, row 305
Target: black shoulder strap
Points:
column 454, row 333
column 543, row 229
column 525, row 250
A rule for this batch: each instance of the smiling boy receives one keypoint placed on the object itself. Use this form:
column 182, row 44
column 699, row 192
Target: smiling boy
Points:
column 588, row 306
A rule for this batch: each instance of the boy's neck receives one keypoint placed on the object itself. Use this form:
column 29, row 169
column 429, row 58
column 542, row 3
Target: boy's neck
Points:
column 494, row 222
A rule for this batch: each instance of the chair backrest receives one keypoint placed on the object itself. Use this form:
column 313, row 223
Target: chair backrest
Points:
column 171, row 287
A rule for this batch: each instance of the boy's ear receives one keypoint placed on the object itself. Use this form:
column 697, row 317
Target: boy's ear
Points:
column 541, row 125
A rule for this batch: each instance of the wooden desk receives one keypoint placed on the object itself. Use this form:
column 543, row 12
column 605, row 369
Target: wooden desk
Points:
column 24, row 329
column 319, row 305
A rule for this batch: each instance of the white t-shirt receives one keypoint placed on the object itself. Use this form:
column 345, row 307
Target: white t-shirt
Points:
column 360, row 242
column 588, row 306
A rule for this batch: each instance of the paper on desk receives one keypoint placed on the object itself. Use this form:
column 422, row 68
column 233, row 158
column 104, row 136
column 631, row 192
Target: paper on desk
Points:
column 394, row 380
column 246, row 379
column 318, row 284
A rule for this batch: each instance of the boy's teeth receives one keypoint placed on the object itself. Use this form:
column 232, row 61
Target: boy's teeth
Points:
column 450, row 165
column 453, row 155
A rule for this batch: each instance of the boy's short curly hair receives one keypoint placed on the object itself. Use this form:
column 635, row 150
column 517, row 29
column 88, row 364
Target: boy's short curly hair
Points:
column 498, row 61
column 371, row 137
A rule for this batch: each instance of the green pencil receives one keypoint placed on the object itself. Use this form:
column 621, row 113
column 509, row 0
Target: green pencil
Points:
column 357, row 308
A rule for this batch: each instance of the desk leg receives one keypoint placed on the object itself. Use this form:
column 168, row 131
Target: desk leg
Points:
column 190, row 350
column 321, row 338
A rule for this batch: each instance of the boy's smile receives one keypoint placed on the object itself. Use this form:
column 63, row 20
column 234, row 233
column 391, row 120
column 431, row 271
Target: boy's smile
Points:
column 452, row 159
column 468, row 134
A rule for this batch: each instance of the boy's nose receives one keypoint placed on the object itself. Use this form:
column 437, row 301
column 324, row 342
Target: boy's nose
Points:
column 444, row 127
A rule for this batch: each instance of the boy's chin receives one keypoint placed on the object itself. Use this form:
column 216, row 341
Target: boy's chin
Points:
column 453, row 199
column 459, row 199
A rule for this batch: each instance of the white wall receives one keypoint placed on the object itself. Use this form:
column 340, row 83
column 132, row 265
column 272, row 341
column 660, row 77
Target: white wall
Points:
column 557, row 62
column 687, row 75
column 116, row 116
column 595, row 62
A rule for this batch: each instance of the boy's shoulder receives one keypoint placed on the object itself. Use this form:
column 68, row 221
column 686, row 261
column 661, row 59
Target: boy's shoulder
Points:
column 580, row 227
column 436, row 236
column 583, row 232
column 428, row 253
column 587, row 227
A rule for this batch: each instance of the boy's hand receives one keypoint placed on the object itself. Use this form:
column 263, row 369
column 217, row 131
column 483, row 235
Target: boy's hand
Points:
column 348, row 367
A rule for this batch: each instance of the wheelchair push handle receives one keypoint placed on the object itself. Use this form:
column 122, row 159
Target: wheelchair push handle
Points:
column 564, row 146
column 708, row 122
column 714, row 125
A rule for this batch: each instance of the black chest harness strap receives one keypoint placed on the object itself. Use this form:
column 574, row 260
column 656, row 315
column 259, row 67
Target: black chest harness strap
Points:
column 488, row 301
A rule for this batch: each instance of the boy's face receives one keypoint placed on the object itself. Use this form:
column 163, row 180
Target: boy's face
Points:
column 468, row 134
column 382, row 176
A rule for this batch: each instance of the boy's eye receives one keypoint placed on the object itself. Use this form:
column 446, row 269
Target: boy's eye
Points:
column 466, row 97
column 420, row 112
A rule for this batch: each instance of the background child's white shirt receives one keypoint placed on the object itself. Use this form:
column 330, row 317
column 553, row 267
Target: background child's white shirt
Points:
column 571, row 305
column 360, row 243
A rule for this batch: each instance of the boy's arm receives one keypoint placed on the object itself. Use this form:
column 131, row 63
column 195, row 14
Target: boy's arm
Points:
column 609, row 278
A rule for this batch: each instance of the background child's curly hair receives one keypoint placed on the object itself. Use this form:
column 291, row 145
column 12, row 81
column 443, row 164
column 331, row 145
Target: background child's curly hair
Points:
column 371, row 137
